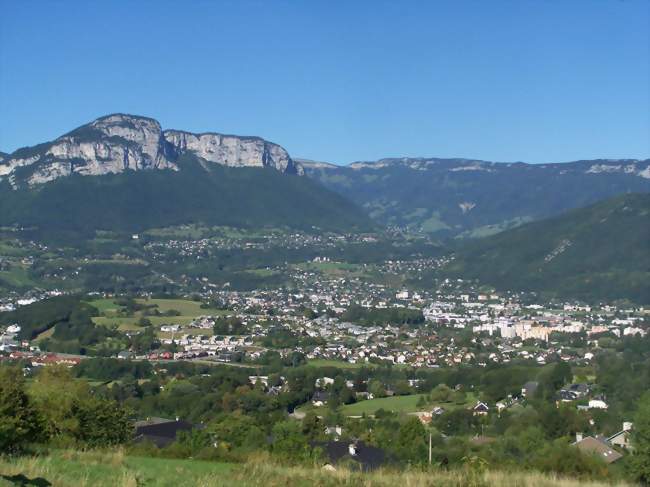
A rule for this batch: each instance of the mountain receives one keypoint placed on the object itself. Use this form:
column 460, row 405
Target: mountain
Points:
column 124, row 173
column 117, row 143
column 466, row 197
column 601, row 252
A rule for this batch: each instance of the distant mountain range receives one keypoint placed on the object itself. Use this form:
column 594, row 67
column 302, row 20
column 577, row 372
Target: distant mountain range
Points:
column 123, row 173
column 601, row 252
column 466, row 197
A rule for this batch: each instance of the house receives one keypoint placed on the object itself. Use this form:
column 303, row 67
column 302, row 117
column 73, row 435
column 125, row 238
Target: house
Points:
column 579, row 390
column 170, row 328
column 364, row 395
column 597, row 404
column 320, row 398
column 437, row 411
column 355, row 455
column 161, row 432
column 335, row 431
column 622, row 438
column 566, row 396
column 481, row 409
column 254, row 379
column 598, row 447
column 324, row 381
column 501, row 405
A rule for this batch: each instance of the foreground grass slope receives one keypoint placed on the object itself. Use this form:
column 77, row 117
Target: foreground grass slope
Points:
column 104, row 469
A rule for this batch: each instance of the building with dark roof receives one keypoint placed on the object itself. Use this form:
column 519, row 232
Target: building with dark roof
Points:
column 161, row 433
column 353, row 454
column 597, row 446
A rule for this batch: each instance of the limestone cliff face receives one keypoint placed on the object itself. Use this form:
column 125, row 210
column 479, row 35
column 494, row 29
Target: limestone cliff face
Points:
column 233, row 151
column 117, row 143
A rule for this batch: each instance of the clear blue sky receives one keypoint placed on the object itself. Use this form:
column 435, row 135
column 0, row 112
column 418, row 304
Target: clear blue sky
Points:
column 536, row 81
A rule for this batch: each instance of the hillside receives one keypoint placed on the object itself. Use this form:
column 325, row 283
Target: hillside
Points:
column 129, row 202
column 451, row 197
column 601, row 252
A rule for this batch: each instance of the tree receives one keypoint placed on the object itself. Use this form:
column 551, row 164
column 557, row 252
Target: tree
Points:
column 20, row 423
column 441, row 393
column 101, row 422
column 312, row 426
column 54, row 393
column 411, row 443
column 552, row 378
column 71, row 412
column 289, row 442
column 640, row 462
column 376, row 388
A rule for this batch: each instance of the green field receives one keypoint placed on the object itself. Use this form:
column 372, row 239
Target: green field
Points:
column 186, row 307
column 188, row 310
column 17, row 276
column 333, row 268
column 399, row 404
column 105, row 305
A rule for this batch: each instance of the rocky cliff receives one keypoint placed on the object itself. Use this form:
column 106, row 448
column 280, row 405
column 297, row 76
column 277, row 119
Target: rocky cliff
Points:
column 119, row 142
column 232, row 150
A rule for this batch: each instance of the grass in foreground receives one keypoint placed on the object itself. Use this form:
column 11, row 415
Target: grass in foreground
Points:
column 103, row 469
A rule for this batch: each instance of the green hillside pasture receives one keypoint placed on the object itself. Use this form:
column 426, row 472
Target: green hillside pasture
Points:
column 188, row 310
column 334, row 268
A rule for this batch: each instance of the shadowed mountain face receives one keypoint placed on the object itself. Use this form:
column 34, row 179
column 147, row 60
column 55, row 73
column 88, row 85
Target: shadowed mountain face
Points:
column 601, row 252
column 462, row 197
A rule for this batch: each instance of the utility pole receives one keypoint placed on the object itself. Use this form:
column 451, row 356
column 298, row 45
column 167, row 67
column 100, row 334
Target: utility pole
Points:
column 429, row 448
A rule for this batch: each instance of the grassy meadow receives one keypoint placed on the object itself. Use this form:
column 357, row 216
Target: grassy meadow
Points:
column 188, row 309
column 397, row 404
column 115, row 468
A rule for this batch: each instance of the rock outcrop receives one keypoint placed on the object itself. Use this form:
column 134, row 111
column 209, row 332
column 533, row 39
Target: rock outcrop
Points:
column 232, row 150
column 119, row 142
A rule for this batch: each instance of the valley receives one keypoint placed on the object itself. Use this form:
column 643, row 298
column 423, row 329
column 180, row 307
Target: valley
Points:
column 214, row 310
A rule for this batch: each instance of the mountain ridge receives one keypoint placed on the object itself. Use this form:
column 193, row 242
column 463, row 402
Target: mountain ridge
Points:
column 118, row 142
column 471, row 197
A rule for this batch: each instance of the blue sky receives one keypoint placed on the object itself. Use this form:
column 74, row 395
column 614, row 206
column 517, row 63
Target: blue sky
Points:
column 535, row 81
